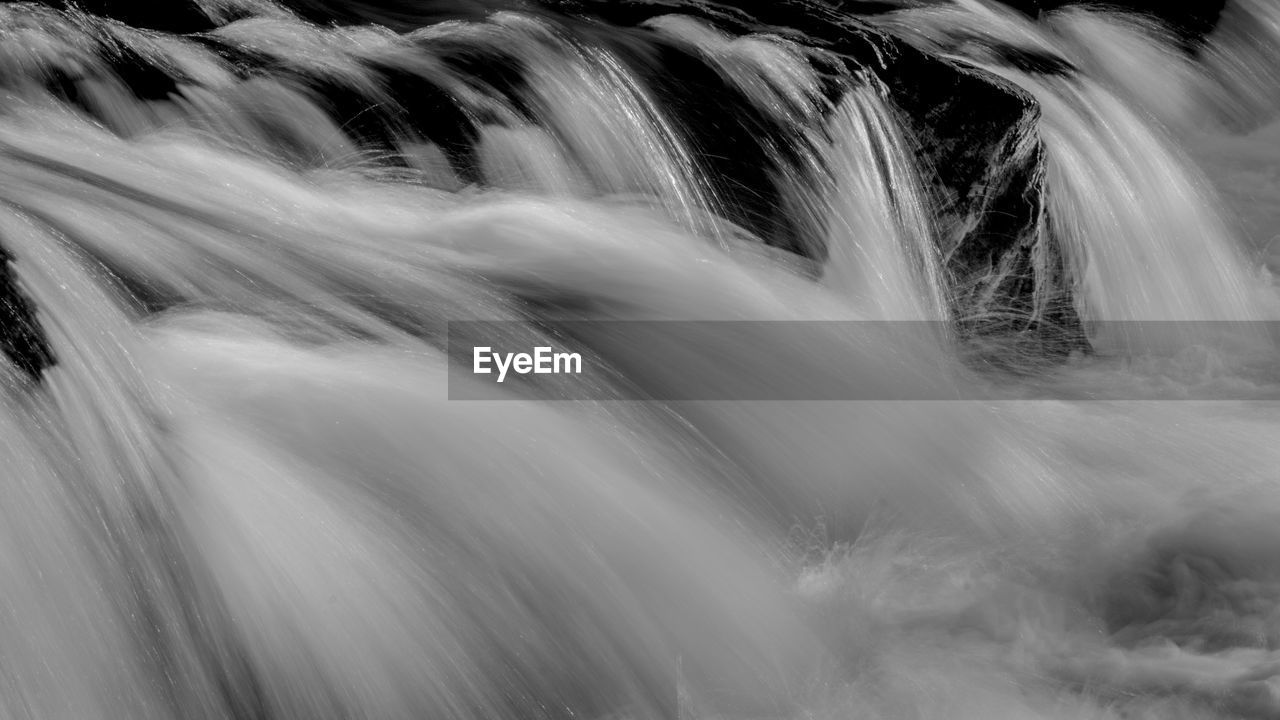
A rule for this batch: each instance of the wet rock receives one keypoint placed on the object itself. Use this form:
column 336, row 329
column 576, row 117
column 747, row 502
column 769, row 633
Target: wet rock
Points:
column 22, row 341
column 178, row 16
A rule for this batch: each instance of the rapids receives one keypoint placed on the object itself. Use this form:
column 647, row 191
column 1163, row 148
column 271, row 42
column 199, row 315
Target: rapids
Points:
column 239, row 483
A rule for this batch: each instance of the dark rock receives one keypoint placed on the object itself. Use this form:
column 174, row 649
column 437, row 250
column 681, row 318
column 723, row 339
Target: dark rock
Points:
column 22, row 340
column 175, row 16
column 979, row 146
column 399, row 15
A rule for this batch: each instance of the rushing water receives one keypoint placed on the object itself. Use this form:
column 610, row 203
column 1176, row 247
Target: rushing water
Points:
column 242, row 489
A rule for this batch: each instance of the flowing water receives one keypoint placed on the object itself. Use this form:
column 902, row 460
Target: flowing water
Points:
column 242, row 488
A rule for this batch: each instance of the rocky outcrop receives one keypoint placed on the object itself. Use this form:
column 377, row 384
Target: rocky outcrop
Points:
column 979, row 144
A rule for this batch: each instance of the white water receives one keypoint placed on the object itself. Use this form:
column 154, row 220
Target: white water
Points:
column 261, row 503
column 870, row 209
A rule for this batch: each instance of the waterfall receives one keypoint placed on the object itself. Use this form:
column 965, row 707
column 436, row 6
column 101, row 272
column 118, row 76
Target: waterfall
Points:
column 252, row 471
column 1143, row 234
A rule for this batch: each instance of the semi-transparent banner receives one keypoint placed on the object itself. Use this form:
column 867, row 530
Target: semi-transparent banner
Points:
column 860, row 360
